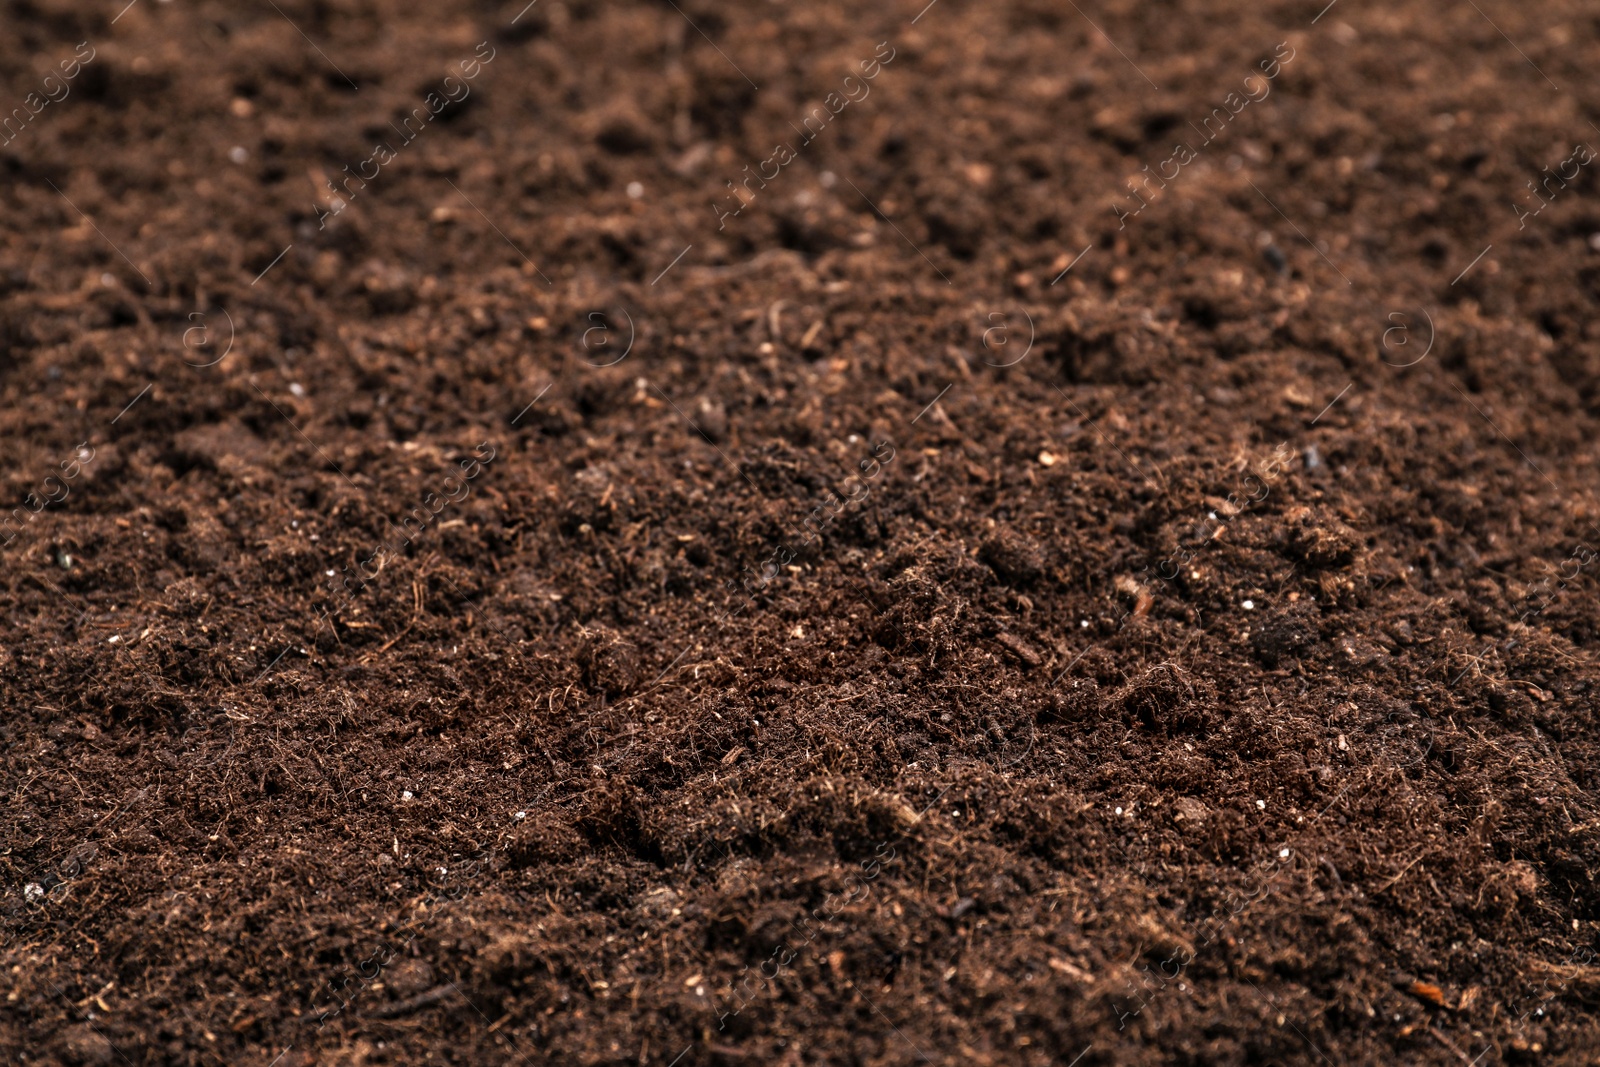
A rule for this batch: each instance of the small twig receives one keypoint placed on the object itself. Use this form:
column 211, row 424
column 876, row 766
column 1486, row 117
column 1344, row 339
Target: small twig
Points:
column 395, row 639
column 1334, row 871
column 418, row 1002
column 1451, row 1045
column 1402, row 873
column 416, row 592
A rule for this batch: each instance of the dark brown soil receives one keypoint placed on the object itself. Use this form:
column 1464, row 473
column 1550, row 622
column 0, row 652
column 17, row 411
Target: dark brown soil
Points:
column 537, row 605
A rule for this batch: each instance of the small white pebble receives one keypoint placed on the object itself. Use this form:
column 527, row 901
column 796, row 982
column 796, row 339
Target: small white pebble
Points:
column 852, row 438
column 1262, row 804
column 238, row 153
column 1248, row 605
column 1119, row 811
column 406, row 795
column 328, row 573
column 441, row 870
column 520, row 815
column 1083, row 624
column 113, row 639
column 635, row 190
column 1047, row 459
column 297, row 389
column 1283, row 853
column 32, row 891
column 1211, row 514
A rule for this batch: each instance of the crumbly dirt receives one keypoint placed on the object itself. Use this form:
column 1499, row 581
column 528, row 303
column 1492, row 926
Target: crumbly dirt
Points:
column 955, row 609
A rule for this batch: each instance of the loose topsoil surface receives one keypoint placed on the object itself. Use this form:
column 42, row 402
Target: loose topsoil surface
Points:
column 693, row 533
